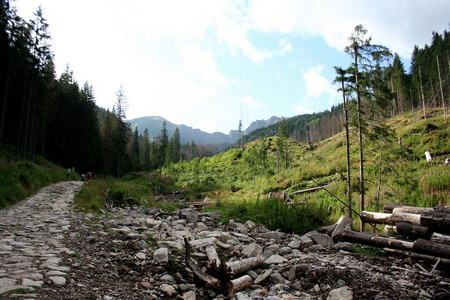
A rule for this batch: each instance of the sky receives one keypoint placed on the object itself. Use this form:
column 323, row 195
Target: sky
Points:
column 209, row 63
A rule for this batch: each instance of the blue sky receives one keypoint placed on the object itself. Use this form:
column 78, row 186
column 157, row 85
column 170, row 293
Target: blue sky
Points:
column 206, row 63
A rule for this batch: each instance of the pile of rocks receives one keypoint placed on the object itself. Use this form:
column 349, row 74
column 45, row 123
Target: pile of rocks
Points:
column 140, row 254
column 48, row 250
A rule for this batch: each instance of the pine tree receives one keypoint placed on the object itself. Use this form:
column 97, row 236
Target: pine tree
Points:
column 146, row 159
column 134, row 151
column 122, row 129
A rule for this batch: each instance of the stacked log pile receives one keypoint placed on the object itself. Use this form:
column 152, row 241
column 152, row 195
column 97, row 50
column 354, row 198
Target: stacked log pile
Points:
column 422, row 232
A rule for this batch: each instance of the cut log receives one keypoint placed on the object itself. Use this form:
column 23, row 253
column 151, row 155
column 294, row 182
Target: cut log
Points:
column 441, row 208
column 240, row 283
column 243, row 265
column 406, row 218
column 376, row 218
column 375, row 240
column 413, row 231
column 389, row 207
column 411, row 209
column 426, row 247
column 440, row 238
column 438, row 221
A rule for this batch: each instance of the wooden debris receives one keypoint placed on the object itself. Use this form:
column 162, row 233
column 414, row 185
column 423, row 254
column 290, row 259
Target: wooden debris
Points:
column 220, row 280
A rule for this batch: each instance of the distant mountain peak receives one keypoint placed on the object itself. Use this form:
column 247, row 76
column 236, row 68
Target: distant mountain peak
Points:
column 188, row 134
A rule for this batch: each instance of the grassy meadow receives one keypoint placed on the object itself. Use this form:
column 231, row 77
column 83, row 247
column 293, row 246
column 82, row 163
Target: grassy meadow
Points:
column 238, row 181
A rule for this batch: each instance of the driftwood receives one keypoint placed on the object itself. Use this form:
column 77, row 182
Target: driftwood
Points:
column 220, row 280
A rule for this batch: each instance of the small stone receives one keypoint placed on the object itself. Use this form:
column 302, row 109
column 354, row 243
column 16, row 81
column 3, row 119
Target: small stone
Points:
column 141, row 244
column 146, row 285
column 276, row 278
column 315, row 248
column 343, row 293
column 168, row 279
column 189, row 296
column 168, row 289
column 344, row 246
column 274, row 259
column 140, row 255
column 263, row 277
column 323, row 239
column 29, row 282
column 252, row 250
column 58, row 280
column 161, row 255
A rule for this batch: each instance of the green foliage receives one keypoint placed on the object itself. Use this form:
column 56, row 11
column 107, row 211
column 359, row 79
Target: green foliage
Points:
column 276, row 214
column 20, row 179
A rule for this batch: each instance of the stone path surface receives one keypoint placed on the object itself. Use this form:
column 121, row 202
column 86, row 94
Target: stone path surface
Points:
column 31, row 240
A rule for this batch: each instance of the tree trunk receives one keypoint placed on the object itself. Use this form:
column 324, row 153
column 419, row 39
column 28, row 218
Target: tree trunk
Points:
column 5, row 102
column 389, row 207
column 376, row 218
column 347, row 154
column 423, row 97
column 442, row 92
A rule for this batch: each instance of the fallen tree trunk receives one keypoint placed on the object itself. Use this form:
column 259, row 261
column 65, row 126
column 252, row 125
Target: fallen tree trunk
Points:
column 243, row 265
column 389, row 207
column 376, row 218
column 388, row 218
column 438, row 221
column 426, row 247
column 413, row 231
column 440, row 238
column 441, row 208
column 411, row 209
column 375, row 240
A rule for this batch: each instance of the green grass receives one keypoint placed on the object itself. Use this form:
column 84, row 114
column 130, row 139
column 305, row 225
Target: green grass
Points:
column 21, row 178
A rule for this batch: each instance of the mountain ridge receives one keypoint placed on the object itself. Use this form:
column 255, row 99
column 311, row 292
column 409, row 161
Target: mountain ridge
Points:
column 189, row 134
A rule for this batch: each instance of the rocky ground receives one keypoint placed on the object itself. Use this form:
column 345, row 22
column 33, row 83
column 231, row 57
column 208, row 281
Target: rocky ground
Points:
column 48, row 250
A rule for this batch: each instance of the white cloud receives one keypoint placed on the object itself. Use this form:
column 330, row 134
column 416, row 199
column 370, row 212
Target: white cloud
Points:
column 302, row 109
column 250, row 101
column 316, row 84
column 201, row 64
column 399, row 24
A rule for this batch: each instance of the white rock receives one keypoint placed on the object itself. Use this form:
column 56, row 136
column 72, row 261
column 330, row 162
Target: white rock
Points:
column 252, row 250
column 167, row 289
column 58, row 280
column 161, row 255
column 343, row 293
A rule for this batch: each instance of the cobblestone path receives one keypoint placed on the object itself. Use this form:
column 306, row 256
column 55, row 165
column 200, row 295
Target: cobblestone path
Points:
column 31, row 236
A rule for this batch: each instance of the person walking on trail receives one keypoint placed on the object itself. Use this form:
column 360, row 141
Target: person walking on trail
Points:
column 69, row 171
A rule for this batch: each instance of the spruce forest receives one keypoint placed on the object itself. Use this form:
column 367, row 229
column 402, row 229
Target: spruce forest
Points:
column 369, row 150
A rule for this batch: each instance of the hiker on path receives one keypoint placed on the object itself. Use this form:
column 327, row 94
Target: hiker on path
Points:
column 69, row 171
